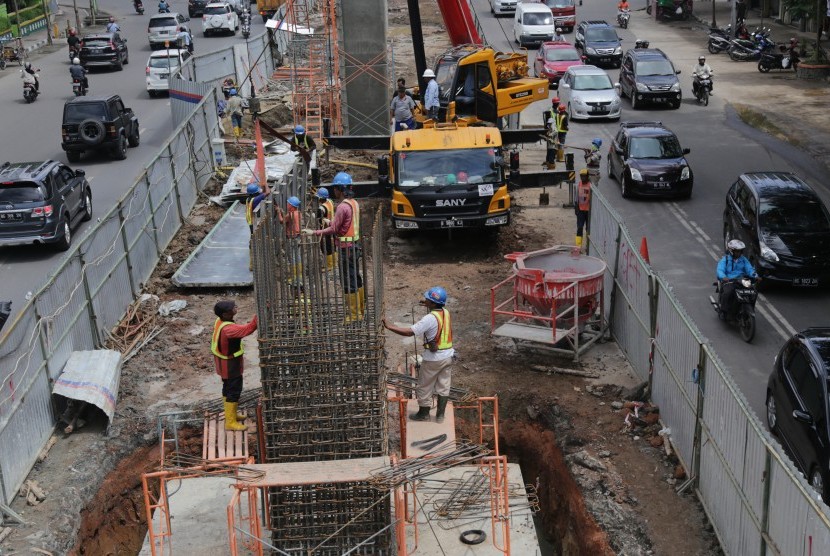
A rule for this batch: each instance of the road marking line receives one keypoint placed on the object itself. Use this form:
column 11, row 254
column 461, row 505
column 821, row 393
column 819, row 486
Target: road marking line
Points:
column 142, row 129
column 692, row 222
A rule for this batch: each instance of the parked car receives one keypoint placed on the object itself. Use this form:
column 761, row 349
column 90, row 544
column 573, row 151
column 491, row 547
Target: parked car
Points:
column 195, row 8
column 599, row 42
column 797, row 410
column 104, row 49
column 564, row 13
column 532, row 24
column 784, row 225
column 501, row 7
column 646, row 159
column 98, row 123
column 588, row 93
column 164, row 28
column 647, row 75
column 40, row 202
column 218, row 18
column 160, row 65
column 553, row 59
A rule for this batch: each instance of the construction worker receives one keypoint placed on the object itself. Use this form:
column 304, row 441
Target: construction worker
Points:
column 582, row 206
column 255, row 197
column 435, row 373
column 325, row 214
column 431, row 102
column 291, row 225
column 401, row 109
column 549, row 115
column 226, row 346
column 235, row 109
column 346, row 230
column 592, row 159
column 561, row 123
column 301, row 139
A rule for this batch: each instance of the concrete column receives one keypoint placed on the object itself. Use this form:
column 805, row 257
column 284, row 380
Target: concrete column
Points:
column 363, row 30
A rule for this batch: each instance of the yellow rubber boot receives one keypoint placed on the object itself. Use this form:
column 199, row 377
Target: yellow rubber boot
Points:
column 239, row 416
column 578, row 241
column 351, row 307
column 361, row 302
column 231, row 423
column 330, row 262
column 560, row 155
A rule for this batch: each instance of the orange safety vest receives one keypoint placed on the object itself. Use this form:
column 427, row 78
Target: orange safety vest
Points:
column 583, row 196
column 444, row 335
column 214, row 342
column 329, row 206
column 353, row 233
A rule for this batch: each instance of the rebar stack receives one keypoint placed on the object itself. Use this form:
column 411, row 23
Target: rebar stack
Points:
column 323, row 380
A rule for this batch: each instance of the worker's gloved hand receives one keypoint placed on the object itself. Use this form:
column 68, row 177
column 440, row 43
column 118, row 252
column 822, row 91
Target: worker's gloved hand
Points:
column 326, row 221
column 307, row 232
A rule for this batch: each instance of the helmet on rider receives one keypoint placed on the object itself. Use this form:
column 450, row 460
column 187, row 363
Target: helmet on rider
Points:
column 294, row 201
column 561, row 108
column 28, row 66
column 342, row 180
column 558, row 29
column 72, row 32
column 323, row 193
column 253, row 189
column 735, row 247
column 76, row 61
column 701, row 60
column 597, row 142
column 299, row 130
column 437, row 295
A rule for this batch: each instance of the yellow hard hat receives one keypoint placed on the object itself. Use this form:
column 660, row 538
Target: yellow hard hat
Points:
column 583, row 172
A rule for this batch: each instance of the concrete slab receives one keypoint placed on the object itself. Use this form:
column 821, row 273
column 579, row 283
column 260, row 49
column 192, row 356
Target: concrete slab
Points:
column 317, row 472
column 422, row 430
column 442, row 536
column 222, row 259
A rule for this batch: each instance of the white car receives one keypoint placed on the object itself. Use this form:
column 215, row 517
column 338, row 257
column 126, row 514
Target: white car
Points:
column 160, row 65
column 501, row 7
column 588, row 93
column 164, row 28
column 218, row 18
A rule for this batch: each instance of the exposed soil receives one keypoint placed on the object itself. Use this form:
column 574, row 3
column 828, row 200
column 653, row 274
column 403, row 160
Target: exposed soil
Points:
column 605, row 489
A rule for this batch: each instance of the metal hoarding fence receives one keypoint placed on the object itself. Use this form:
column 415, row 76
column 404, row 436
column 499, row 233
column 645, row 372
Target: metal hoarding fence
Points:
column 757, row 501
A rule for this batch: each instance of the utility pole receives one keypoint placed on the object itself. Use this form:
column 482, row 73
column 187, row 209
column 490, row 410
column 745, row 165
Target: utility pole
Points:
column 17, row 17
column 48, row 22
column 77, row 16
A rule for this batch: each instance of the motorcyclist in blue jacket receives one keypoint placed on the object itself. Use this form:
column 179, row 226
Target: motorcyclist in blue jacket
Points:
column 732, row 266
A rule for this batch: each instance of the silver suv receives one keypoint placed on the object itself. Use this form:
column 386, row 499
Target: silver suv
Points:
column 588, row 93
column 164, row 28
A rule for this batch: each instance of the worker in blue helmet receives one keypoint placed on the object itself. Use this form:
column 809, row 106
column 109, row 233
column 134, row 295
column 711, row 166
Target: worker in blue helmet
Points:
column 303, row 141
column 345, row 228
column 325, row 214
column 593, row 157
column 255, row 197
column 435, row 372
column 235, row 109
column 291, row 225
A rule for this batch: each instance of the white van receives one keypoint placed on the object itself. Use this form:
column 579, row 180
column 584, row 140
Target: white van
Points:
column 533, row 23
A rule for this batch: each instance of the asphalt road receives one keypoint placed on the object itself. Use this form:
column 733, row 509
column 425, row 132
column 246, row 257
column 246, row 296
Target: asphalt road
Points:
column 32, row 132
column 685, row 237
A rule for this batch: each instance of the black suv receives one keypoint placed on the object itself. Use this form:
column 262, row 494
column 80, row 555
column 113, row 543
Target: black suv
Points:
column 646, row 158
column 784, row 225
column 95, row 123
column 797, row 396
column 599, row 43
column 40, row 202
column 196, row 7
column 104, row 49
column 647, row 75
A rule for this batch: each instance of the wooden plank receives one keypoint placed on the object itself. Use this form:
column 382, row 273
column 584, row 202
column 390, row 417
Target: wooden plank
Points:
column 237, row 445
column 212, row 439
column 220, row 437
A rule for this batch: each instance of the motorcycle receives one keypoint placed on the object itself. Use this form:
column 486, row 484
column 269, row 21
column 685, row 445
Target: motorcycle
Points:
column 719, row 39
column 703, row 89
column 78, row 87
column 245, row 24
column 30, row 91
column 139, row 7
column 164, row 7
column 73, row 53
column 783, row 60
column 622, row 18
column 671, row 9
column 745, row 50
column 745, row 297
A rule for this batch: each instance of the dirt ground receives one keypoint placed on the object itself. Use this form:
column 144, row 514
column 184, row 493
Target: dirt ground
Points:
column 563, row 430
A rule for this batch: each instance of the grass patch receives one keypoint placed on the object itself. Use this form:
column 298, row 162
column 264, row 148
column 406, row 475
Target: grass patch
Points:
column 752, row 117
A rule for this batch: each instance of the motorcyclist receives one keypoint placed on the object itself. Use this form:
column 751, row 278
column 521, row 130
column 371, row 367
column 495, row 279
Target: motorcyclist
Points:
column 164, row 7
column 732, row 266
column 558, row 36
column 137, row 4
column 246, row 16
column 701, row 71
column 623, row 7
column 32, row 73
column 77, row 71
column 792, row 52
column 73, row 41
column 112, row 26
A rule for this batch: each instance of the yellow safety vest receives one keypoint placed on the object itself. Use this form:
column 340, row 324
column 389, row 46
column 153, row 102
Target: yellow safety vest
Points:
column 249, row 211
column 214, row 342
column 444, row 335
column 353, row 234
column 560, row 120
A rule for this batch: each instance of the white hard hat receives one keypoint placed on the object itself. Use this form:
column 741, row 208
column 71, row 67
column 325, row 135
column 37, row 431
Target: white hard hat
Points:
column 429, row 73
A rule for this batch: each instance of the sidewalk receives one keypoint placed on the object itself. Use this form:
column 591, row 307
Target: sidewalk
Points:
column 39, row 39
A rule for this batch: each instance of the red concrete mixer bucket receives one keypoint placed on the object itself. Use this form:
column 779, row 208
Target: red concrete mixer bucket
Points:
column 555, row 297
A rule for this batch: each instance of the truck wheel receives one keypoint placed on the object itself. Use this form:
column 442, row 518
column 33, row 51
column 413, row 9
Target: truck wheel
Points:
column 134, row 138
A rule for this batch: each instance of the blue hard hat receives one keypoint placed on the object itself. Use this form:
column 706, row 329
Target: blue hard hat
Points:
column 299, row 130
column 232, row 92
column 322, row 193
column 342, row 179
column 437, row 295
column 253, row 189
column 597, row 142
column 294, row 201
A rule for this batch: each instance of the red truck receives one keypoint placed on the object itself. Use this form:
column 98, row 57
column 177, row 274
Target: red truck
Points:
column 564, row 13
